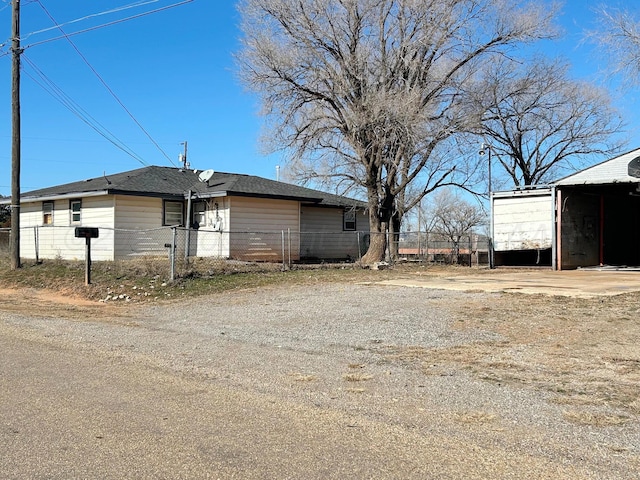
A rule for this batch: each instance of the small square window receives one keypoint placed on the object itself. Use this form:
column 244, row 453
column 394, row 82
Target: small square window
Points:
column 76, row 208
column 47, row 213
column 349, row 222
column 173, row 213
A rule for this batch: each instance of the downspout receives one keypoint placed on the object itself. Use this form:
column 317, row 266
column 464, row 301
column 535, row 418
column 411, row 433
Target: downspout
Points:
column 188, row 232
column 601, row 230
column 558, row 225
column 554, row 229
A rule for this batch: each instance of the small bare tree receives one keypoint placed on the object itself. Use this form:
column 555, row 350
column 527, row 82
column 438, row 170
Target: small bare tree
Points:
column 367, row 92
column 539, row 122
column 455, row 218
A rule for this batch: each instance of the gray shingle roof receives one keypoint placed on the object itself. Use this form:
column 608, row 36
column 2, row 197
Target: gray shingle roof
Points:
column 174, row 182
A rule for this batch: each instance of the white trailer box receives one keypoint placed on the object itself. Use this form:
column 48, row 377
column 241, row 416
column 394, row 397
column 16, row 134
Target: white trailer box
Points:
column 523, row 220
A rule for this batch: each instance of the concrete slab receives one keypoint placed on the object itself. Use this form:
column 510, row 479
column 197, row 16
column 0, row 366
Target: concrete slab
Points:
column 574, row 283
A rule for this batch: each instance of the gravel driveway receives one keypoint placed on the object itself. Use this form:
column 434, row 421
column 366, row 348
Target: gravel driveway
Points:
column 368, row 355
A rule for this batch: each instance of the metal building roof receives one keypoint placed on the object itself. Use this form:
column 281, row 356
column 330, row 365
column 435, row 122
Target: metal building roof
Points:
column 615, row 170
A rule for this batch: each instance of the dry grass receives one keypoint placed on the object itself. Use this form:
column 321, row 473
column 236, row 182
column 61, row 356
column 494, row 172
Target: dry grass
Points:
column 302, row 377
column 148, row 278
column 357, row 377
column 595, row 419
column 475, row 418
column 586, row 352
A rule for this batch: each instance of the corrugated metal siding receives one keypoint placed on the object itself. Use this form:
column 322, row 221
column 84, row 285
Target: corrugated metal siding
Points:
column 266, row 219
column 523, row 222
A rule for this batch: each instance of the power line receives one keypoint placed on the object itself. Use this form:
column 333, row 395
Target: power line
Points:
column 108, row 24
column 56, row 92
column 106, row 86
column 87, row 17
column 97, row 27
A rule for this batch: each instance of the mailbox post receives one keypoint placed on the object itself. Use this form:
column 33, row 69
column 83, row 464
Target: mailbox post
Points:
column 87, row 233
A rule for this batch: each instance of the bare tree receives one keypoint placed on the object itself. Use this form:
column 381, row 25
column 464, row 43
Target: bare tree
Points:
column 539, row 122
column 619, row 36
column 454, row 218
column 369, row 90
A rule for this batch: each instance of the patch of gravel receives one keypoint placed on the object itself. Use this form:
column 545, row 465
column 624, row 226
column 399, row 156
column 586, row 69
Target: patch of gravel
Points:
column 327, row 346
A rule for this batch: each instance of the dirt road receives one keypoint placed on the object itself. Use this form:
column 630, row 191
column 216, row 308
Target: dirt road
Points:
column 340, row 381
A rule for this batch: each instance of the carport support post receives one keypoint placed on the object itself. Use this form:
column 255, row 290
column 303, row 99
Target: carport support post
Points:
column 87, row 261
column 491, row 262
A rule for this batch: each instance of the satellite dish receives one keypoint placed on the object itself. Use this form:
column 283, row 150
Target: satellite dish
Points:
column 633, row 169
column 205, row 175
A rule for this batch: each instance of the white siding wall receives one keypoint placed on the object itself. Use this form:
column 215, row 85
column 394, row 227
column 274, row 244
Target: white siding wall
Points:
column 58, row 240
column 523, row 222
column 212, row 238
column 323, row 236
column 265, row 219
column 139, row 220
column 137, row 212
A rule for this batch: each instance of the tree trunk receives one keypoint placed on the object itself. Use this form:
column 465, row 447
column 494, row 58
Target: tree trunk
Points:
column 380, row 211
column 378, row 240
column 394, row 235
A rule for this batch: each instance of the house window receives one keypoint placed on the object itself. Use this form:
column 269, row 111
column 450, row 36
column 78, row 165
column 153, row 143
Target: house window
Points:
column 47, row 213
column 349, row 220
column 173, row 213
column 76, row 208
column 199, row 215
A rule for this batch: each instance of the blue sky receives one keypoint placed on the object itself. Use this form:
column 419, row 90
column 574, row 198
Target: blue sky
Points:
column 173, row 70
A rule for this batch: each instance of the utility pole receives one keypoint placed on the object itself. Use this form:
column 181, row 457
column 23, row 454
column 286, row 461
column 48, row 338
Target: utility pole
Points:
column 15, row 136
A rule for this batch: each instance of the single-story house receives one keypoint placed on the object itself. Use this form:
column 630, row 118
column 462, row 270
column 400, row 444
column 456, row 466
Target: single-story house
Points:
column 216, row 215
column 590, row 218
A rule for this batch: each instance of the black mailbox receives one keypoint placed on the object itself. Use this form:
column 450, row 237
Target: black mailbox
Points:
column 86, row 232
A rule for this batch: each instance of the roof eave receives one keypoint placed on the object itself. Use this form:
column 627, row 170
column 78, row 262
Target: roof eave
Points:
column 62, row 196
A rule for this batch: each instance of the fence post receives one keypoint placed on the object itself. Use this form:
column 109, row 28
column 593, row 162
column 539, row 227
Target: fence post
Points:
column 172, row 253
column 426, row 245
column 36, row 240
column 359, row 250
column 284, row 266
column 289, row 242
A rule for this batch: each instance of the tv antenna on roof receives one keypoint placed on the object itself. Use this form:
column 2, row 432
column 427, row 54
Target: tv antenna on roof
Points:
column 183, row 156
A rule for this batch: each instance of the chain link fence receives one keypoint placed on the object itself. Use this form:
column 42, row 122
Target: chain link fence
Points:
column 5, row 237
column 437, row 247
column 285, row 248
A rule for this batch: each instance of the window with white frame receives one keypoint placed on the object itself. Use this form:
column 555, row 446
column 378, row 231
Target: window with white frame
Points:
column 199, row 215
column 173, row 213
column 349, row 220
column 76, row 211
column 47, row 213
